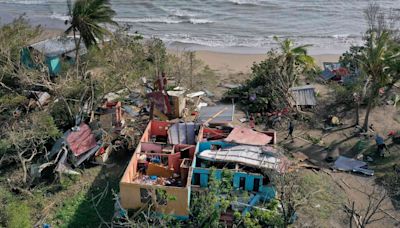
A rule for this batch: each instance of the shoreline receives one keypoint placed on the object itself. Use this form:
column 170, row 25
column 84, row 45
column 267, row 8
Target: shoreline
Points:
column 222, row 60
column 228, row 63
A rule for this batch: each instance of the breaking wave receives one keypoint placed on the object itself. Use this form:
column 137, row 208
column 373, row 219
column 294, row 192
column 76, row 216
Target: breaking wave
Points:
column 163, row 20
column 245, row 2
column 25, row 2
column 61, row 17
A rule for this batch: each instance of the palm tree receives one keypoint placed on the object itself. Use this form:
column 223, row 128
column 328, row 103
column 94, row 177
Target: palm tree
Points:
column 87, row 18
column 293, row 61
column 376, row 63
column 296, row 54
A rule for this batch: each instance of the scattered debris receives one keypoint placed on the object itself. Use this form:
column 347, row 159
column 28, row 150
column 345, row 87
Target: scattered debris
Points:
column 102, row 155
column 299, row 156
column 195, row 94
column 229, row 86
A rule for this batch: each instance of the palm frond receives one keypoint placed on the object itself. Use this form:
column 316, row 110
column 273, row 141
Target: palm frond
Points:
column 89, row 17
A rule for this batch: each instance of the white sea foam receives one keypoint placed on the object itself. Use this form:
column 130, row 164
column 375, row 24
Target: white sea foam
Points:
column 25, row 2
column 61, row 17
column 180, row 12
column 200, row 21
column 245, row 2
column 164, row 20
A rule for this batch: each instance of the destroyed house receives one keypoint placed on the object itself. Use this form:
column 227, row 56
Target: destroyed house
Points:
column 238, row 158
column 233, row 149
column 159, row 171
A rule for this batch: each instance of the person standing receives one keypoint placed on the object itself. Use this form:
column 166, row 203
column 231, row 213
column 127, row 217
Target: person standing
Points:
column 290, row 130
column 252, row 121
column 380, row 142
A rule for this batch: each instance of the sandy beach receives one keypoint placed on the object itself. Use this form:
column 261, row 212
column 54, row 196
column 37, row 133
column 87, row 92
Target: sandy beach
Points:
column 241, row 63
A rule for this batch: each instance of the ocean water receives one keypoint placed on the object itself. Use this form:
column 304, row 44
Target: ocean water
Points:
column 245, row 26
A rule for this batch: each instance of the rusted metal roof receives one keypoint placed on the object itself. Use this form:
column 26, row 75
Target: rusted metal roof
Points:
column 81, row 140
column 243, row 135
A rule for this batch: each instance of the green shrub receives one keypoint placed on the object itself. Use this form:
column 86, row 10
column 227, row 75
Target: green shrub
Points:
column 18, row 215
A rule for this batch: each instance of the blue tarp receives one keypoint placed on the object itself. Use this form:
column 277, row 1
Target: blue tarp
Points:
column 54, row 65
column 327, row 74
column 26, row 59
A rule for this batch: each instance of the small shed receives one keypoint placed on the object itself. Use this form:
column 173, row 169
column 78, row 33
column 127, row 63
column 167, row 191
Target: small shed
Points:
column 303, row 95
column 54, row 50
column 177, row 101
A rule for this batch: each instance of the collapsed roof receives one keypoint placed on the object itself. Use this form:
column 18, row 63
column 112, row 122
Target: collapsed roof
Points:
column 253, row 156
column 58, row 46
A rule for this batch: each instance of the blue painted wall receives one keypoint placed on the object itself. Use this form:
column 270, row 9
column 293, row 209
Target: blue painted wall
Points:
column 266, row 192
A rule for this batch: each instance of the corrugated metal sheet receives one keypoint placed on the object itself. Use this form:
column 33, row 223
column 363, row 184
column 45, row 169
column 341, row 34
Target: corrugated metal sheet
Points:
column 253, row 156
column 182, row 133
column 243, row 135
column 81, row 140
column 209, row 111
column 304, row 95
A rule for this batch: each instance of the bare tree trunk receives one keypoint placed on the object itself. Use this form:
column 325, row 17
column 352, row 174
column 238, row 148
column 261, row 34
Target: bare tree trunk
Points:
column 77, row 46
column 191, row 56
column 352, row 215
column 366, row 120
column 357, row 113
column 25, row 171
column 374, row 95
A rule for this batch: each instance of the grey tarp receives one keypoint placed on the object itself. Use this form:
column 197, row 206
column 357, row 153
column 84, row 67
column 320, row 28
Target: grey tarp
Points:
column 349, row 164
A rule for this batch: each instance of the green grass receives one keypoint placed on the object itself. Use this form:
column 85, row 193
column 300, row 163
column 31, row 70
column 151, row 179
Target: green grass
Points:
column 14, row 211
column 18, row 215
column 385, row 174
column 384, row 165
column 78, row 210
column 324, row 202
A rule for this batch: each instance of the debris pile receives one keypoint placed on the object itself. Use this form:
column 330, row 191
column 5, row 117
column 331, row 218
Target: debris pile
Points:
column 334, row 71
